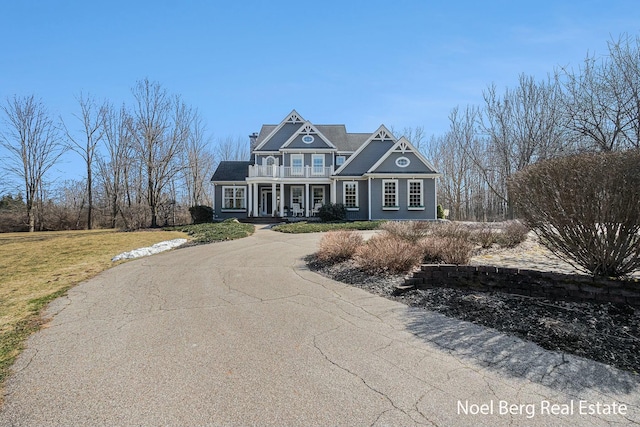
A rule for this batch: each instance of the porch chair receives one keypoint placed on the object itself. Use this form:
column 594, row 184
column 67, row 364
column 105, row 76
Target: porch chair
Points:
column 316, row 209
column 296, row 210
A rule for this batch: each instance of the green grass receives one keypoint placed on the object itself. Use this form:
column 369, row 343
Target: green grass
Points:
column 217, row 231
column 315, row 227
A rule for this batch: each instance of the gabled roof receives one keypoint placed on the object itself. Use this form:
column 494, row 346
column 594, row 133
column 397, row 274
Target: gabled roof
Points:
column 293, row 118
column 381, row 134
column 231, row 171
column 308, row 129
column 403, row 146
column 282, row 133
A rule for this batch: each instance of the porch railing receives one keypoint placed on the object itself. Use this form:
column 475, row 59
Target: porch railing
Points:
column 289, row 171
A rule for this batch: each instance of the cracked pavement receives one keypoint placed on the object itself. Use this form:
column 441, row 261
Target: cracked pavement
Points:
column 242, row 333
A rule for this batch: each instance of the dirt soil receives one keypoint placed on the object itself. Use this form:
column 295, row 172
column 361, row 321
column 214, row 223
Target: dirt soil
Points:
column 606, row 333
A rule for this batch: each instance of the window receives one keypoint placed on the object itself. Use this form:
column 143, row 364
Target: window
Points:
column 350, row 195
column 318, row 196
column 415, row 194
column 390, row 194
column 307, row 139
column 318, row 164
column 340, row 160
column 296, row 196
column 269, row 163
column 233, row 198
column 402, row 162
column 297, row 164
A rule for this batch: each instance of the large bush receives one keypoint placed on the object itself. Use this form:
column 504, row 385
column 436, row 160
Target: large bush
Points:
column 337, row 246
column 387, row 253
column 201, row 214
column 332, row 212
column 585, row 209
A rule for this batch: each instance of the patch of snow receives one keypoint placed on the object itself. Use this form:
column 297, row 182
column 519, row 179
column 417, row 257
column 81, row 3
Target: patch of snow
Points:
column 150, row 250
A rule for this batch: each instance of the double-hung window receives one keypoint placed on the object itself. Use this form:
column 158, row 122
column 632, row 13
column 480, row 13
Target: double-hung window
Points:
column 234, row 198
column 297, row 196
column 297, row 164
column 390, row 194
column 415, row 191
column 350, row 195
column 317, row 164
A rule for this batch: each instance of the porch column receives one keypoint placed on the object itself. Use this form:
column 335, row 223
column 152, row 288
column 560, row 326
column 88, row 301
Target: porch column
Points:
column 255, row 200
column 281, row 199
column 369, row 197
column 249, row 198
column 306, row 199
column 274, row 199
column 334, row 196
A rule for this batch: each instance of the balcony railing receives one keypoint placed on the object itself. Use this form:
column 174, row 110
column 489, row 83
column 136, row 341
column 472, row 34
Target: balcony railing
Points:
column 272, row 171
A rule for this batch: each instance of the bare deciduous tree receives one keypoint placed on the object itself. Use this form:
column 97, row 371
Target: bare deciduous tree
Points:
column 92, row 117
column 160, row 129
column 232, row 148
column 33, row 147
column 113, row 167
column 199, row 162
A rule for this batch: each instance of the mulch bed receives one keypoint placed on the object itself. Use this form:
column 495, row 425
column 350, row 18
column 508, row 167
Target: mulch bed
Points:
column 606, row 333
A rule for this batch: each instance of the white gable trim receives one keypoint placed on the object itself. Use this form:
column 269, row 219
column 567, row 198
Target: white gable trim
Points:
column 293, row 118
column 403, row 146
column 308, row 129
column 381, row 134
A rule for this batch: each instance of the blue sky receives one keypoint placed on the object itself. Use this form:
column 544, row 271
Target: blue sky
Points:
column 245, row 63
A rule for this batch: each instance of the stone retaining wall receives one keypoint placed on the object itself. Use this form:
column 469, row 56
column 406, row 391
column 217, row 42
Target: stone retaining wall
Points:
column 533, row 283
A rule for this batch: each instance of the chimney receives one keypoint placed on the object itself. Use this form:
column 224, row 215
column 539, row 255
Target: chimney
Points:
column 252, row 143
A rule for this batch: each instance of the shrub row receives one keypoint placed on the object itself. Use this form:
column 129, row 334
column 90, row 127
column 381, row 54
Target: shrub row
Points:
column 404, row 245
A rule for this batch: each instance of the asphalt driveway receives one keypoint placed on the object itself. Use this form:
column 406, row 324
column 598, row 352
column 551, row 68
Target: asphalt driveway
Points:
column 241, row 333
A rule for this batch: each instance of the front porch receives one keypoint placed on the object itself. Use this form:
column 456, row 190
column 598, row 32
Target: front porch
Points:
column 287, row 200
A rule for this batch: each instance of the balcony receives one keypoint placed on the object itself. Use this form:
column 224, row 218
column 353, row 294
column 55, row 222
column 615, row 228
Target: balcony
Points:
column 270, row 171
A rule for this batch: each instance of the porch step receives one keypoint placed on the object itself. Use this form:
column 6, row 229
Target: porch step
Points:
column 261, row 220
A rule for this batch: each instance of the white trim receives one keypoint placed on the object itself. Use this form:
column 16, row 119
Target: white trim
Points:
column 404, row 165
column 235, row 197
column 297, row 156
column 308, row 129
column 313, row 166
column 344, row 195
column 291, row 202
column 381, row 134
column 369, row 197
column 292, row 118
column 421, row 205
column 403, row 175
column 402, row 146
column 395, row 205
column 324, row 195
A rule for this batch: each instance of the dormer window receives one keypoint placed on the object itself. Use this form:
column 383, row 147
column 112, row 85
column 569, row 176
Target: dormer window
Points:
column 308, row 139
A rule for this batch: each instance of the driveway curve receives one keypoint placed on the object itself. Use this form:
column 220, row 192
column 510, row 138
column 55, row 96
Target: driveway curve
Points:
column 242, row 333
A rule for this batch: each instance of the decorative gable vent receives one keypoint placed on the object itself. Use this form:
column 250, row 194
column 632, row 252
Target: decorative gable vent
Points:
column 402, row 147
column 307, row 129
column 382, row 135
column 294, row 118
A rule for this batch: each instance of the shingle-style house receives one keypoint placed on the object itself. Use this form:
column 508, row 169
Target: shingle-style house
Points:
column 296, row 167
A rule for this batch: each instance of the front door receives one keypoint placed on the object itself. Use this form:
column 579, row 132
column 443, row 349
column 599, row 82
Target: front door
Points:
column 266, row 203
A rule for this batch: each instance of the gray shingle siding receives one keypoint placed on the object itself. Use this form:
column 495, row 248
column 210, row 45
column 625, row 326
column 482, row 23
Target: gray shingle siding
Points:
column 415, row 166
column 367, row 158
column 282, row 136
